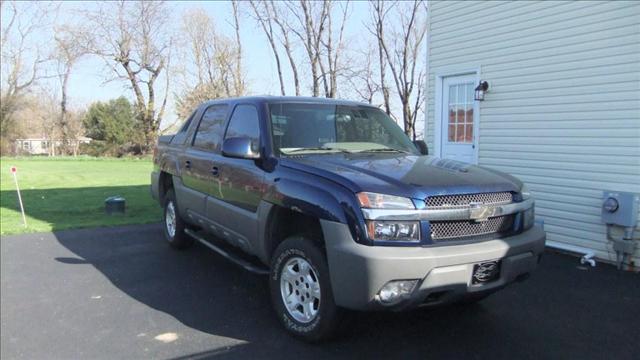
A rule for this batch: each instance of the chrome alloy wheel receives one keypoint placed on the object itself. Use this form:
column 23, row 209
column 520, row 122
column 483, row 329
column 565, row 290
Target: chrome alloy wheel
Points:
column 170, row 219
column 300, row 289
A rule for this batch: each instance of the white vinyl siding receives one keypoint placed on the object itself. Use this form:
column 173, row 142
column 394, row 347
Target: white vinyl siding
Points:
column 563, row 108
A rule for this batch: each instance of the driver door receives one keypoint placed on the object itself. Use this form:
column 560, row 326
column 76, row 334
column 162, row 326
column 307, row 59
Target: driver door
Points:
column 242, row 180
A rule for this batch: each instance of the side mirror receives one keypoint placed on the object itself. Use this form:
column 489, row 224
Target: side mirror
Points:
column 239, row 147
column 422, row 147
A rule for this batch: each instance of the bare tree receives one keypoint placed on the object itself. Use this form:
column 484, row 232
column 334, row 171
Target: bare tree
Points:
column 312, row 17
column 311, row 23
column 263, row 14
column 210, row 60
column 67, row 53
column 334, row 50
column 36, row 117
column 74, row 129
column 238, row 75
column 47, row 111
column 379, row 14
column 403, row 55
column 362, row 77
column 22, row 60
column 133, row 39
column 283, row 25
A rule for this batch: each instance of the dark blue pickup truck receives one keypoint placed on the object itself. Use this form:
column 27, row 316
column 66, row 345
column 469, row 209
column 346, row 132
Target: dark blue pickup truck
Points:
column 340, row 208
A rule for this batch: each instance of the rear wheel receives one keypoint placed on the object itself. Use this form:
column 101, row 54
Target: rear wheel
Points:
column 301, row 290
column 174, row 226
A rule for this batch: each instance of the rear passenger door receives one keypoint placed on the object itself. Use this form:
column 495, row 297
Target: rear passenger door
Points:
column 201, row 159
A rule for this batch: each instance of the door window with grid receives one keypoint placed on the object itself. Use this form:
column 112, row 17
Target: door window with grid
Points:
column 460, row 113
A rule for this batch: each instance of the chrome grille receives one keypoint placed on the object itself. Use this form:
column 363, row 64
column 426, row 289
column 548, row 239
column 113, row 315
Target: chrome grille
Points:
column 464, row 228
column 463, row 201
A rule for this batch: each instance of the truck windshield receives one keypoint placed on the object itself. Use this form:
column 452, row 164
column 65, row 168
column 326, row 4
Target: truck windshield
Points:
column 324, row 128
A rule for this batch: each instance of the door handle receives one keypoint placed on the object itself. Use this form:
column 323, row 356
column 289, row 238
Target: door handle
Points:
column 215, row 171
column 187, row 164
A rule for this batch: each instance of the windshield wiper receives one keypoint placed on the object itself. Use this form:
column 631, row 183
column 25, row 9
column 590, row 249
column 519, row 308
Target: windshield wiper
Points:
column 385, row 149
column 315, row 149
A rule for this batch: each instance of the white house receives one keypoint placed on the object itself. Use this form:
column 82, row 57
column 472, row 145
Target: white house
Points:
column 43, row 146
column 562, row 110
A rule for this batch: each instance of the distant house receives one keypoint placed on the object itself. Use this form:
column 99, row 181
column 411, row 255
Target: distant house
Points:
column 42, row 146
column 562, row 109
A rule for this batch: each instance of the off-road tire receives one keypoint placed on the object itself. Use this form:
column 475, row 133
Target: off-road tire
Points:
column 179, row 240
column 328, row 316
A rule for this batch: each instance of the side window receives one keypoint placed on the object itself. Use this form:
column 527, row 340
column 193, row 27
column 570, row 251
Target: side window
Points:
column 245, row 123
column 209, row 133
column 184, row 127
column 181, row 135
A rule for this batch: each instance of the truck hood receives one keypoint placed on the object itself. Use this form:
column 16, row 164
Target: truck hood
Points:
column 403, row 175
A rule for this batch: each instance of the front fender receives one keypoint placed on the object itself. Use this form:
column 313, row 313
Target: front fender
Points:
column 306, row 199
column 319, row 198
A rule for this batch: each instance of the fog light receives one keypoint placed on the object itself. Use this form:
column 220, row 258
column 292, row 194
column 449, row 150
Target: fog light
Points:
column 395, row 291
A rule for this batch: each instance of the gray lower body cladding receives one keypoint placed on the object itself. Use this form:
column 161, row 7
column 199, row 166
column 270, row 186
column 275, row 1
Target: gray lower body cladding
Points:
column 154, row 187
column 358, row 272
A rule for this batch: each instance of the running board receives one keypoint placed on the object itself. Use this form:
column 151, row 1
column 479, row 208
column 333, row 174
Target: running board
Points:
column 256, row 269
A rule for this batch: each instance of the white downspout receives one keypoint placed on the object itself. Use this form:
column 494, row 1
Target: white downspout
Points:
column 588, row 255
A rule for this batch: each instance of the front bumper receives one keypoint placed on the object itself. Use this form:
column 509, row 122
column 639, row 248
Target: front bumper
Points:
column 358, row 271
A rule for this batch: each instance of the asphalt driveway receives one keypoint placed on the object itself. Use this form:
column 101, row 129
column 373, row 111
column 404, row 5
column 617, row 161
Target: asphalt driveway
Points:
column 122, row 293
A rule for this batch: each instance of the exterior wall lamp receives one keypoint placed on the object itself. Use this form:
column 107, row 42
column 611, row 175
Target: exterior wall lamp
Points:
column 481, row 89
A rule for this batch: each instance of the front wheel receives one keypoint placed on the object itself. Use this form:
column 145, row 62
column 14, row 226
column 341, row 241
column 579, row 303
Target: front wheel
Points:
column 174, row 226
column 301, row 290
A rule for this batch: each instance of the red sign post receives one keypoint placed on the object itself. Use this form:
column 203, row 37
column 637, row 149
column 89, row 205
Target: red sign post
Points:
column 14, row 172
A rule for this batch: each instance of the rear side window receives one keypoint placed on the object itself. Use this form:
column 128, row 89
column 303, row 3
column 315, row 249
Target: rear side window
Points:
column 211, row 127
column 184, row 127
column 244, row 123
column 181, row 136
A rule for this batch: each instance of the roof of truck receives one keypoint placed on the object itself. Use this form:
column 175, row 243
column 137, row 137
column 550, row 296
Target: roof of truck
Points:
column 288, row 99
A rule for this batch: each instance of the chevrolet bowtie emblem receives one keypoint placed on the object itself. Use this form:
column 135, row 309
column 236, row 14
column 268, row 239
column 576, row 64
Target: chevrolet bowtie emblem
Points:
column 479, row 212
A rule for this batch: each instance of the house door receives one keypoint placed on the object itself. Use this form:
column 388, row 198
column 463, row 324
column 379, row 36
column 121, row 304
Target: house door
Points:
column 459, row 121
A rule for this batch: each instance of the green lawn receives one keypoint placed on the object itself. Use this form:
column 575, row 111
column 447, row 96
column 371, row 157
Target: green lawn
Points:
column 64, row 193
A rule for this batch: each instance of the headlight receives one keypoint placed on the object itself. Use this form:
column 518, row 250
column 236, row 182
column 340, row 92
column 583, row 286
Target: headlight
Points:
column 369, row 200
column 524, row 192
column 529, row 216
column 394, row 230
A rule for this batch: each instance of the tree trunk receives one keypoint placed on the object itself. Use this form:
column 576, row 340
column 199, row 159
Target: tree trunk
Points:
column 402, row 57
column 278, row 66
column 381, row 60
column 311, row 45
column 286, row 43
column 238, row 82
column 265, row 22
column 64, row 126
column 294, row 68
column 407, row 118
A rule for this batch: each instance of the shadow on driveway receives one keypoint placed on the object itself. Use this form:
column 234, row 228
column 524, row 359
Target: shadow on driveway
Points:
column 561, row 311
